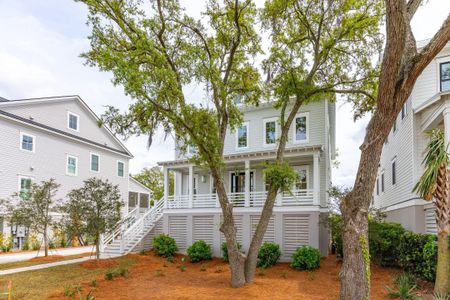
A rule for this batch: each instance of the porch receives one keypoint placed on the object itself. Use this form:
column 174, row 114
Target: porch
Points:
column 244, row 181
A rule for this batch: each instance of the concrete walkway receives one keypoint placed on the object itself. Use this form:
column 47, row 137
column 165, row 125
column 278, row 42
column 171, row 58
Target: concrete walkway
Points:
column 44, row 266
column 22, row 256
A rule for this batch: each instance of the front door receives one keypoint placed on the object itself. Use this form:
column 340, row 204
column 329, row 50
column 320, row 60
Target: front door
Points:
column 238, row 182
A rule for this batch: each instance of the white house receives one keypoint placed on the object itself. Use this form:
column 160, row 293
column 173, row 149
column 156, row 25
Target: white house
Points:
column 401, row 160
column 193, row 212
column 59, row 137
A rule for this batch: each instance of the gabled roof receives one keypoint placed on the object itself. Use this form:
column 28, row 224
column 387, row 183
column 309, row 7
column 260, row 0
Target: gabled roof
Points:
column 9, row 103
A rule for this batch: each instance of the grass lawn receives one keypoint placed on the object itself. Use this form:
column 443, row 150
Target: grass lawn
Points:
column 41, row 284
column 40, row 260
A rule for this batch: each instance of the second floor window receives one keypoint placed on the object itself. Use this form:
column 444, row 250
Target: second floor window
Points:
column 270, row 132
column 445, row 76
column 72, row 165
column 27, row 142
column 95, row 162
column 120, row 169
column 301, row 128
column 72, row 121
column 242, row 136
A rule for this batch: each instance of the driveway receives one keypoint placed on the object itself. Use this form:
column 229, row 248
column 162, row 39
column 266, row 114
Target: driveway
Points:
column 21, row 256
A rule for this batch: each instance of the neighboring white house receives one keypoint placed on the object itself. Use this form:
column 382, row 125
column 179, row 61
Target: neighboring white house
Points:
column 193, row 212
column 401, row 160
column 59, row 137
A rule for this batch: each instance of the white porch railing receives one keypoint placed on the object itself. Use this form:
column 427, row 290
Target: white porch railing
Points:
column 256, row 199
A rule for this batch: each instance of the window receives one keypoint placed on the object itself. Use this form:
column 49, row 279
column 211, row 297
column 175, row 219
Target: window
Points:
column 238, row 100
column 192, row 149
column 378, row 187
column 242, row 136
column 394, row 171
column 270, row 131
column 301, row 128
column 72, row 121
column 394, row 128
column 26, row 142
column 95, row 162
column 72, row 165
column 132, row 199
column 144, row 201
column 445, row 76
column 24, row 187
column 404, row 110
column 120, row 168
column 382, row 182
column 302, row 179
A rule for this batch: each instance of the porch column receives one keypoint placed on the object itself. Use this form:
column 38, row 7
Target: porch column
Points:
column 247, row 183
column 447, row 126
column 316, row 179
column 166, row 186
column 191, row 185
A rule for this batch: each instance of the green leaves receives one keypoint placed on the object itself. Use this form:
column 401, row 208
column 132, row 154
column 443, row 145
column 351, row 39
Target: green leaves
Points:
column 280, row 175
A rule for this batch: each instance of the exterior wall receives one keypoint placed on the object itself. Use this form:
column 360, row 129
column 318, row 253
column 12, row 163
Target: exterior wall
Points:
column 411, row 217
column 55, row 114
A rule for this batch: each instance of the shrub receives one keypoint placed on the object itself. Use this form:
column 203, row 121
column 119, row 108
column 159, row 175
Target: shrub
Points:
column 306, row 258
column 335, row 223
column 7, row 244
column 418, row 255
column 405, row 287
column 123, row 272
column 224, row 248
column 164, row 245
column 384, row 242
column 26, row 244
column 268, row 255
column 199, row 251
column 109, row 275
column 51, row 244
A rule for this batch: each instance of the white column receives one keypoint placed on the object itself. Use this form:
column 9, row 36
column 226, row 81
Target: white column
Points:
column 191, row 185
column 316, row 178
column 446, row 114
column 166, row 185
column 247, row 183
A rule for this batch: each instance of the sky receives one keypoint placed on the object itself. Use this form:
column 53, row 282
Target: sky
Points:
column 40, row 44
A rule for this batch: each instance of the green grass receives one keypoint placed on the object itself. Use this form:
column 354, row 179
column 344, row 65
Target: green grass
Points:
column 27, row 263
column 40, row 284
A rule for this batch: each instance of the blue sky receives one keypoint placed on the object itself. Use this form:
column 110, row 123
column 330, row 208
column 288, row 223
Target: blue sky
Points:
column 39, row 56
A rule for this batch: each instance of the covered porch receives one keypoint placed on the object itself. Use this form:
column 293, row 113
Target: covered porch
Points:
column 243, row 176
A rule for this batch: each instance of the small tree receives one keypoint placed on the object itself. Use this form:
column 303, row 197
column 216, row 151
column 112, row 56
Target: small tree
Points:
column 153, row 178
column 32, row 208
column 74, row 221
column 435, row 183
column 102, row 203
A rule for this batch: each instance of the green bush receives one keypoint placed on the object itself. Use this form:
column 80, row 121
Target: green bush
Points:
column 268, row 255
column 164, row 245
column 306, row 258
column 335, row 222
column 418, row 255
column 199, row 251
column 384, row 242
column 26, row 244
column 405, row 287
column 224, row 248
column 7, row 244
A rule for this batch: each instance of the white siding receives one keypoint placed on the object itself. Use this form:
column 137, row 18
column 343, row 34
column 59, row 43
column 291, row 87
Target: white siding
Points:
column 430, row 219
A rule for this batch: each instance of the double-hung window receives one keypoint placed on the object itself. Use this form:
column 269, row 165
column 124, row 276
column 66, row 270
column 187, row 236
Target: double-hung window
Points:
column 302, row 178
column 24, row 187
column 27, row 142
column 120, row 169
column 73, row 121
column 72, row 165
column 445, row 76
column 270, row 132
column 95, row 162
column 301, row 130
column 242, row 136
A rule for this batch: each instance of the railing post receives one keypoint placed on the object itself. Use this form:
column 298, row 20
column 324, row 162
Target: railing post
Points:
column 316, row 180
column 247, row 183
column 122, row 238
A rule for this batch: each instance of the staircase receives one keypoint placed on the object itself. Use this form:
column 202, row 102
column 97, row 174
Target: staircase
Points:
column 130, row 231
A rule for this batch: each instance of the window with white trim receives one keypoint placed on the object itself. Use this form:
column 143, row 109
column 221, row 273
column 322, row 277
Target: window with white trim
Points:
column 302, row 180
column 72, row 165
column 301, row 130
column 73, row 121
column 95, row 162
column 120, row 169
column 27, row 142
column 394, row 171
column 242, row 136
column 24, row 186
column 270, row 131
column 445, row 76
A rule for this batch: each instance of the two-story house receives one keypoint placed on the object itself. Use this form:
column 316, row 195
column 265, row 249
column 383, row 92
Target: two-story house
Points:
column 401, row 160
column 59, row 137
column 193, row 212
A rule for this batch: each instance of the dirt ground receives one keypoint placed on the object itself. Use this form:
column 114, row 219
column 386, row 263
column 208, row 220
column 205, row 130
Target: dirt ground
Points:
column 156, row 278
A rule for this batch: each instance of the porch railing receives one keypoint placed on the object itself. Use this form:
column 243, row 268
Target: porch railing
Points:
column 256, row 199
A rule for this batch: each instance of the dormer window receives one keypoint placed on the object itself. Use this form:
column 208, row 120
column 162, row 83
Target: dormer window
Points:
column 445, row 76
column 73, row 121
column 242, row 136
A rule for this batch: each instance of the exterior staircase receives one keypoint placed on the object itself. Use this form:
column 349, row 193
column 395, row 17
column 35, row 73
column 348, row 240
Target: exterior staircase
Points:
column 130, row 231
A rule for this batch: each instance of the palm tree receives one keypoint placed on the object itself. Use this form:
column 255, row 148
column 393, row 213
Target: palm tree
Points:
column 435, row 183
